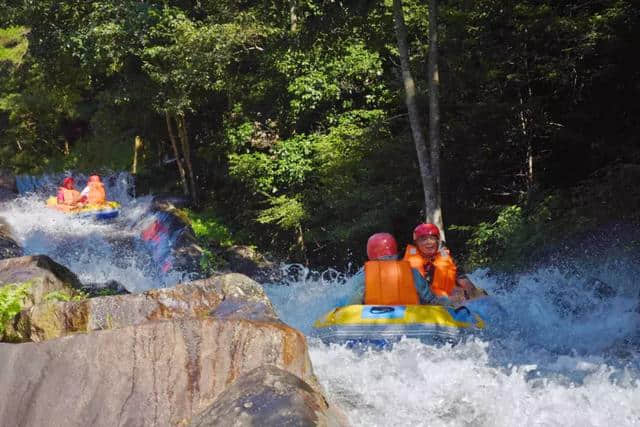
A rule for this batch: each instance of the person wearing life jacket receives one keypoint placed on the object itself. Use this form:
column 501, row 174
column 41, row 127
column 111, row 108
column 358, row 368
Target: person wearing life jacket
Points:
column 68, row 196
column 385, row 280
column 436, row 265
column 94, row 193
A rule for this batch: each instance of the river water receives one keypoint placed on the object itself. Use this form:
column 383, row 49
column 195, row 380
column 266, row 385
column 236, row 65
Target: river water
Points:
column 566, row 353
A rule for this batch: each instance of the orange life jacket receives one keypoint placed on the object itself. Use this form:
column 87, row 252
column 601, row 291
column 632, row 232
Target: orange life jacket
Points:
column 96, row 195
column 444, row 269
column 69, row 197
column 389, row 283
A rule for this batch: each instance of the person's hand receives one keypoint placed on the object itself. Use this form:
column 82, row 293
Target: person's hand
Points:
column 466, row 284
column 458, row 295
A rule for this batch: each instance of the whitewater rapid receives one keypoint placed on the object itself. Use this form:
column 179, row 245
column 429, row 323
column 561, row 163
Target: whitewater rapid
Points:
column 567, row 352
column 97, row 251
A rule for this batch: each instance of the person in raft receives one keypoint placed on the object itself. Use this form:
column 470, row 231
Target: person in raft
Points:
column 94, row 193
column 68, row 196
column 386, row 280
column 434, row 263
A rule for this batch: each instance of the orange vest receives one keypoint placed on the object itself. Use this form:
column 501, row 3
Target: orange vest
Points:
column 445, row 270
column 96, row 195
column 70, row 197
column 389, row 283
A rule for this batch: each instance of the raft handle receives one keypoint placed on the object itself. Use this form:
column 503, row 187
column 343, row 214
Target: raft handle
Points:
column 381, row 309
column 462, row 307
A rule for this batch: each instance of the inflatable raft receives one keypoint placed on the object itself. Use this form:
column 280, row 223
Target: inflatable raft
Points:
column 102, row 212
column 382, row 325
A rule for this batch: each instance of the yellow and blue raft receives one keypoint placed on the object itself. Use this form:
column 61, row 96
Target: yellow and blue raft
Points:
column 108, row 210
column 380, row 325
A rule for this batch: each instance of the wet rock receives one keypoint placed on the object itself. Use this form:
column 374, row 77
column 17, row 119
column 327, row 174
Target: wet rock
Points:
column 111, row 287
column 44, row 275
column 160, row 373
column 9, row 248
column 187, row 252
column 6, row 195
column 48, row 320
column 246, row 260
column 269, row 396
column 168, row 201
column 8, row 181
column 228, row 296
column 171, row 240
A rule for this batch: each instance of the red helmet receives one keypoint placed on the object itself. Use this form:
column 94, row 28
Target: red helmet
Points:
column 426, row 230
column 68, row 180
column 381, row 244
column 94, row 178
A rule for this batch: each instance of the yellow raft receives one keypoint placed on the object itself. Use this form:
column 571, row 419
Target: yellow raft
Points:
column 107, row 211
column 381, row 325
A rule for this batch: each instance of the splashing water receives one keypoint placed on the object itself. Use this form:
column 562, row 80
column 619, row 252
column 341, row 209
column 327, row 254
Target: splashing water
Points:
column 566, row 353
column 97, row 251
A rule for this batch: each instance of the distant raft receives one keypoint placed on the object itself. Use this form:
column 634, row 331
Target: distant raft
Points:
column 106, row 211
column 382, row 325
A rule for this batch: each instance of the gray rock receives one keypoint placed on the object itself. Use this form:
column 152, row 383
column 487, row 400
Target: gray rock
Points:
column 269, row 396
column 44, row 274
column 161, row 373
column 227, row 296
column 9, row 248
column 246, row 260
column 8, row 181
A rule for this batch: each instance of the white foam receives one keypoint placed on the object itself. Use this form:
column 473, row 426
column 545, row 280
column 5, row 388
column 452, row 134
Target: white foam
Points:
column 97, row 251
column 560, row 358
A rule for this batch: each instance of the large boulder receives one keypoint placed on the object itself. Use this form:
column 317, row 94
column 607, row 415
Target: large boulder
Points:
column 172, row 243
column 247, row 260
column 9, row 247
column 8, row 188
column 160, row 373
column 269, row 396
column 224, row 296
column 42, row 273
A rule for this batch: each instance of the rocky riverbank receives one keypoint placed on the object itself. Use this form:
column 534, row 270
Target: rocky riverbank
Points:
column 209, row 352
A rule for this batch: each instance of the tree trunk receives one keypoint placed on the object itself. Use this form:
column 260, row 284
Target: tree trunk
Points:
column 426, row 173
column 293, row 15
column 303, row 247
column 176, row 153
column 529, row 154
column 434, row 113
column 137, row 145
column 186, row 152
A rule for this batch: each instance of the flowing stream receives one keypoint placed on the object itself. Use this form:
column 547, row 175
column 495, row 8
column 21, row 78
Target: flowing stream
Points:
column 566, row 353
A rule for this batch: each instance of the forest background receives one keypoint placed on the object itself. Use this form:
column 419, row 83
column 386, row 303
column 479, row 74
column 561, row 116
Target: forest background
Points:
column 285, row 121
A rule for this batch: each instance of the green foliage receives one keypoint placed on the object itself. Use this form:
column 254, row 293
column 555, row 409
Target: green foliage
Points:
column 13, row 44
column 65, row 296
column 286, row 212
column 517, row 234
column 490, row 241
column 12, row 298
column 106, row 292
column 210, row 262
column 284, row 168
column 187, row 58
column 212, row 234
column 209, row 228
column 301, row 135
column 333, row 78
